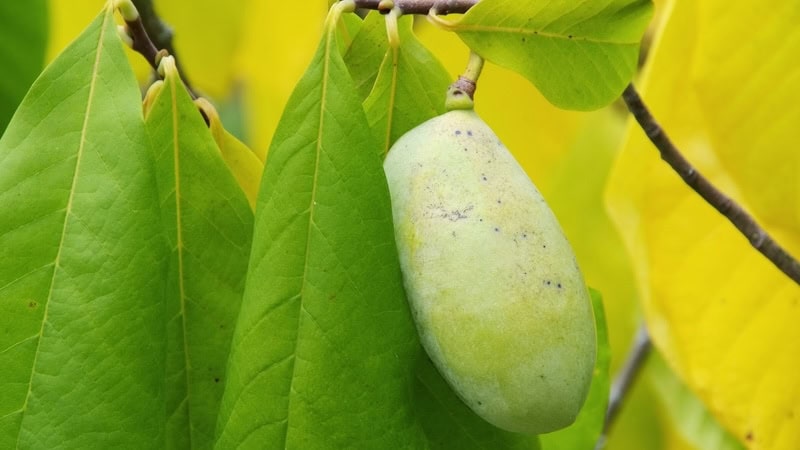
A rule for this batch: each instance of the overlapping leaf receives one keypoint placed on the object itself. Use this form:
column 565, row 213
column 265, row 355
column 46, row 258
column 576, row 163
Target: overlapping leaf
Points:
column 23, row 41
column 209, row 228
column 323, row 349
column 723, row 316
column 81, row 277
column 409, row 88
column 580, row 56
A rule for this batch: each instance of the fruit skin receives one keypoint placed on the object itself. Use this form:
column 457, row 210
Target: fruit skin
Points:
column 498, row 299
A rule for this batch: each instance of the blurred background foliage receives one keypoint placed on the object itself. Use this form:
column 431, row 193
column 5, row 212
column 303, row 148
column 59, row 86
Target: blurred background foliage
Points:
column 247, row 55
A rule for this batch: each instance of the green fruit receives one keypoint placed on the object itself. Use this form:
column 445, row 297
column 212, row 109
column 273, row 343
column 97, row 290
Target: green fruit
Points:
column 497, row 297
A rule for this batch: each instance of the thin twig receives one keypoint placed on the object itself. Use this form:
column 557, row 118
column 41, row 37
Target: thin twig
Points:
column 421, row 6
column 625, row 380
column 142, row 43
column 153, row 35
column 743, row 221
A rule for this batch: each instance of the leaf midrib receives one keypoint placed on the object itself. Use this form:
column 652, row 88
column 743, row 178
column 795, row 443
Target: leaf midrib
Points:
column 311, row 208
column 458, row 28
column 68, row 210
column 179, row 249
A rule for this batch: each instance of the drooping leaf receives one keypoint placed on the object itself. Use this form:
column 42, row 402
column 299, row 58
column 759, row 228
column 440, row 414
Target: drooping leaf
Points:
column 242, row 162
column 580, row 56
column 81, row 276
column 323, row 351
column 365, row 55
column 209, row 230
column 23, row 41
column 587, row 428
column 691, row 418
column 721, row 314
column 410, row 88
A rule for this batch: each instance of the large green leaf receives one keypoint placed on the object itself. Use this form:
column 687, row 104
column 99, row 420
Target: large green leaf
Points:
column 208, row 225
column 81, row 278
column 580, row 56
column 410, row 88
column 584, row 433
column 23, row 41
column 323, row 352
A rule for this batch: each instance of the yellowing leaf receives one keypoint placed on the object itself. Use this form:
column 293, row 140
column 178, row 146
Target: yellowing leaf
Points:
column 242, row 162
column 724, row 317
column 276, row 47
column 206, row 35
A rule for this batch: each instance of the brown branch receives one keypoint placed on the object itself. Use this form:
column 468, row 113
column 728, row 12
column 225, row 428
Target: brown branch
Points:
column 625, row 381
column 420, row 6
column 726, row 206
column 150, row 35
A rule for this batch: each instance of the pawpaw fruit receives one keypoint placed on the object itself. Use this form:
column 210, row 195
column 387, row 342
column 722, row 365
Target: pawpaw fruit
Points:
column 498, row 299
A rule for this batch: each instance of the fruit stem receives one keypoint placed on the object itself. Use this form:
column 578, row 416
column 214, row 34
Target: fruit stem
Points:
column 461, row 94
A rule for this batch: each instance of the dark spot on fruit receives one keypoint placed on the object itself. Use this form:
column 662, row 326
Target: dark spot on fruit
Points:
column 547, row 282
column 497, row 229
column 749, row 436
column 480, row 403
column 558, row 285
column 523, row 39
column 481, row 220
column 542, row 377
column 535, row 32
column 498, row 201
column 524, row 236
column 465, row 149
column 458, row 132
column 484, row 179
column 469, row 132
column 216, row 379
column 544, row 245
column 458, row 92
column 570, row 36
column 32, row 304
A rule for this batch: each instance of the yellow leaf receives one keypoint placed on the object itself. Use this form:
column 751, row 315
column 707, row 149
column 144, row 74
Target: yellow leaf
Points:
column 279, row 39
column 206, row 36
column 723, row 316
column 242, row 162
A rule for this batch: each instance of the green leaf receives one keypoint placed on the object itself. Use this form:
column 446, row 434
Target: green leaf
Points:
column 23, row 41
column 450, row 424
column 366, row 53
column 81, row 278
column 587, row 428
column 323, row 352
column 208, row 225
column 687, row 412
column 579, row 56
column 410, row 88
